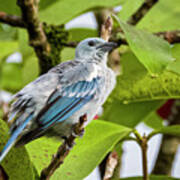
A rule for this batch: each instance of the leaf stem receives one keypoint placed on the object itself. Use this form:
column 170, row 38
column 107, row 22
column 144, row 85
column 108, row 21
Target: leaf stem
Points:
column 142, row 141
column 144, row 148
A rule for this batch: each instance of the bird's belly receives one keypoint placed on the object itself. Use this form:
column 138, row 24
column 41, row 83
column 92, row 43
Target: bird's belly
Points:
column 65, row 128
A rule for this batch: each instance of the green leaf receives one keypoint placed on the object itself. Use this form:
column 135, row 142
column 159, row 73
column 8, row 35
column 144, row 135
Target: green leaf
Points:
column 16, row 164
column 30, row 70
column 128, row 8
column 60, row 12
column 79, row 34
column 135, row 84
column 11, row 77
column 163, row 16
column 99, row 138
column 171, row 130
column 7, row 47
column 7, row 33
column 9, row 6
column 24, row 46
column 128, row 114
column 152, row 177
column 67, row 54
column 154, row 121
column 41, row 151
column 153, row 52
column 175, row 65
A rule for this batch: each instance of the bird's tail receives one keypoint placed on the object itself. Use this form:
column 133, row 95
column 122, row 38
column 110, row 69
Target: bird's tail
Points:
column 13, row 138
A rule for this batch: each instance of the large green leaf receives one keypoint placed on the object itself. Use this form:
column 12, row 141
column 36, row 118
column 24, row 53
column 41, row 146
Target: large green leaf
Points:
column 175, row 65
column 63, row 11
column 171, row 130
column 154, row 121
column 153, row 52
column 100, row 137
column 162, row 17
column 16, row 164
column 98, row 140
column 128, row 114
column 41, row 151
column 135, row 84
column 152, row 177
column 128, row 8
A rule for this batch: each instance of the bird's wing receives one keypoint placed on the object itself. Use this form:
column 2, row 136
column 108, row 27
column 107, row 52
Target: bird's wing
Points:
column 68, row 98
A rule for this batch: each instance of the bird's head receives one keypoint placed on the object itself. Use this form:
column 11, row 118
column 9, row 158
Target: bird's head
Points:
column 94, row 48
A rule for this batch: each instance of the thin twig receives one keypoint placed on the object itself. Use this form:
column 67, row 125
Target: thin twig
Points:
column 106, row 29
column 3, row 174
column 171, row 36
column 142, row 141
column 64, row 149
column 142, row 11
column 111, row 164
column 11, row 20
column 144, row 157
column 37, row 37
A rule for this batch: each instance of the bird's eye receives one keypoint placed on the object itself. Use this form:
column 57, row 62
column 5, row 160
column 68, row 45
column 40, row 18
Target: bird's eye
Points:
column 91, row 43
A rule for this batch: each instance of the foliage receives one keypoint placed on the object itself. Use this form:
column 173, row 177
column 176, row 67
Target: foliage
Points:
column 150, row 75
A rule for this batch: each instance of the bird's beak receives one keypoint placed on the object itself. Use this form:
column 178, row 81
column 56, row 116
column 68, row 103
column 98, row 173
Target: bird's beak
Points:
column 107, row 46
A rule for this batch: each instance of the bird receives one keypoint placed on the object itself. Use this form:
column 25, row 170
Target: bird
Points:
column 54, row 102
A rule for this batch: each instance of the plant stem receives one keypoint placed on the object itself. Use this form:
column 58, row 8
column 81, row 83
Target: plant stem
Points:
column 144, row 148
column 142, row 141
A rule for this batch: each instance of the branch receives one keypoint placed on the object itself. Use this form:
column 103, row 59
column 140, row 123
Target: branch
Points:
column 144, row 147
column 171, row 36
column 142, row 11
column 169, row 145
column 64, row 149
column 143, row 143
column 11, row 20
column 3, row 174
column 37, row 37
column 111, row 163
column 106, row 29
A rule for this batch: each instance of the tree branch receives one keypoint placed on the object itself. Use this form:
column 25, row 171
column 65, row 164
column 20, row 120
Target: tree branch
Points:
column 3, row 174
column 11, row 20
column 171, row 36
column 64, row 149
column 142, row 11
column 169, row 144
column 37, row 37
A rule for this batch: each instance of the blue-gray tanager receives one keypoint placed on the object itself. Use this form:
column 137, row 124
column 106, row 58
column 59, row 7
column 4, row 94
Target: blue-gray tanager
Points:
column 55, row 101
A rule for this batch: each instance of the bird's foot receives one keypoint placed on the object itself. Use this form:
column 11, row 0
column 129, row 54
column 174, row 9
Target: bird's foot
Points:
column 79, row 134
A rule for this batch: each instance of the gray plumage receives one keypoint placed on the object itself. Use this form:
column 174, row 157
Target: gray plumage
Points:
column 54, row 102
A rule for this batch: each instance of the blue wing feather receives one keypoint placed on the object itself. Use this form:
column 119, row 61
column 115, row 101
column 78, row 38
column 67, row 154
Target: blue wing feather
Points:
column 14, row 136
column 65, row 102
